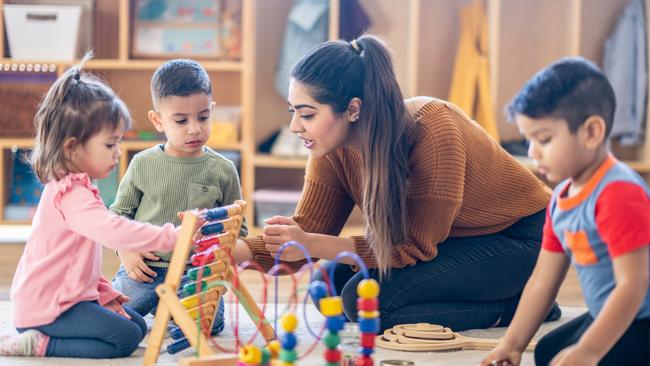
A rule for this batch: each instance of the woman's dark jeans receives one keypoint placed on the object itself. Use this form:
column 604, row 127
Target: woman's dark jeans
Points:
column 473, row 282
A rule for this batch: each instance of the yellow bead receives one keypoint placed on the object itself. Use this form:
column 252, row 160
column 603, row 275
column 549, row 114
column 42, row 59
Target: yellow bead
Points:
column 274, row 347
column 368, row 289
column 250, row 355
column 331, row 306
column 289, row 322
column 368, row 314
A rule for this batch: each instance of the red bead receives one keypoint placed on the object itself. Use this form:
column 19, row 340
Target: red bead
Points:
column 363, row 361
column 367, row 340
column 367, row 304
column 333, row 355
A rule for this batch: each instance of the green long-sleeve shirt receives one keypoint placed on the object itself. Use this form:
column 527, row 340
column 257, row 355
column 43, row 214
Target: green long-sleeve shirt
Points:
column 157, row 186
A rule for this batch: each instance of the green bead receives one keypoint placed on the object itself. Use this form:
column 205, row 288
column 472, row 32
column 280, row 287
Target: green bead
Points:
column 288, row 356
column 266, row 356
column 332, row 364
column 331, row 340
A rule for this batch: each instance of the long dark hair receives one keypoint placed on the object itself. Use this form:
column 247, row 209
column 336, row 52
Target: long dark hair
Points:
column 334, row 73
column 77, row 105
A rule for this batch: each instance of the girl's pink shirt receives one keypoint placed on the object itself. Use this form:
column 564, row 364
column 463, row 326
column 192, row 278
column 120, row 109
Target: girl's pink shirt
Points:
column 62, row 261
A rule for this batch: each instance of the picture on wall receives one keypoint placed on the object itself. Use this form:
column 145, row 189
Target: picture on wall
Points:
column 181, row 28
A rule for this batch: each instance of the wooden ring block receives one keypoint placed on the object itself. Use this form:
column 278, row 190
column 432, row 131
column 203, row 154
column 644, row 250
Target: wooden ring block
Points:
column 431, row 337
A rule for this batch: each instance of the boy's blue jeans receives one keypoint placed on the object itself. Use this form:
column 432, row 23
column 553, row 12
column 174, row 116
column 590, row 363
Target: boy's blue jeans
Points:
column 88, row 330
column 143, row 297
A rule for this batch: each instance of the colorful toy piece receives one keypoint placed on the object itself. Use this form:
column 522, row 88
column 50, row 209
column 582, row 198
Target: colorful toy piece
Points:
column 332, row 308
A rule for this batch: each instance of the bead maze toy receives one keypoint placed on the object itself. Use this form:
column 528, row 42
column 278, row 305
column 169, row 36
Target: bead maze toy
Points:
column 200, row 297
column 194, row 312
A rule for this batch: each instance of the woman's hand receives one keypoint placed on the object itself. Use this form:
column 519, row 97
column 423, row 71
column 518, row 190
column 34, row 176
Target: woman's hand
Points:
column 281, row 229
column 116, row 305
column 502, row 355
column 575, row 356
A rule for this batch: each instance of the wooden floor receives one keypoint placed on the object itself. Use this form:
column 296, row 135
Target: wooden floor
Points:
column 570, row 294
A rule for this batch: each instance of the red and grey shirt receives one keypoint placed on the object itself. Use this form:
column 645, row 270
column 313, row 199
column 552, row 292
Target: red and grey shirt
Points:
column 609, row 217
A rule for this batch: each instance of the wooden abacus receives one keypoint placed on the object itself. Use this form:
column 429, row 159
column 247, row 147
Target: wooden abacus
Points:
column 222, row 226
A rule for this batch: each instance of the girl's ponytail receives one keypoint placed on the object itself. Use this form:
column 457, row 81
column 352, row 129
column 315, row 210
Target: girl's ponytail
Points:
column 385, row 150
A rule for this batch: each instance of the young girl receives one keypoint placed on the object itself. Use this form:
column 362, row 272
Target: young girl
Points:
column 62, row 305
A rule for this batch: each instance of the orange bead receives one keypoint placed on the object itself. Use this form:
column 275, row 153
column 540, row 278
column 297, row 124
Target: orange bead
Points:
column 274, row 347
column 368, row 314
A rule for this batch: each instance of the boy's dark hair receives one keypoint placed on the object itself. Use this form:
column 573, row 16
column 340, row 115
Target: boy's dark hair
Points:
column 180, row 77
column 572, row 89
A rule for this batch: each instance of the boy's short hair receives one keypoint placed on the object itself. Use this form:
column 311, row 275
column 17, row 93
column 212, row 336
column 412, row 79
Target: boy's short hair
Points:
column 572, row 89
column 180, row 77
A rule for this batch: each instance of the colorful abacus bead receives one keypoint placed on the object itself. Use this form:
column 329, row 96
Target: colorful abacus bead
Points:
column 369, row 323
column 288, row 341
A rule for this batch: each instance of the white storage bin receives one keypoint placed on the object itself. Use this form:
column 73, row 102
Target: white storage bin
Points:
column 270, row 202
column 43, row 32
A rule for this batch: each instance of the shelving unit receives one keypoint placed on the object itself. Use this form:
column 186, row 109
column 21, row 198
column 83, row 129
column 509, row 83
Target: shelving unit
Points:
column 524, row 36
column 129, row 77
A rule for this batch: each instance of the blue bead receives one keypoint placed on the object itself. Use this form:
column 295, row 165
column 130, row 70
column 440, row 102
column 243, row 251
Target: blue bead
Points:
column 176, row 333
column 216, row 213
column 366, row 351
column 369, row 325
column 335, row 323
column 178, row 346
column 288, row 341
column 318, row 290
column 213, row 228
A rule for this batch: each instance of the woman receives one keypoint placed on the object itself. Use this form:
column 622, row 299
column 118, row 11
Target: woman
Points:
column 453, row 223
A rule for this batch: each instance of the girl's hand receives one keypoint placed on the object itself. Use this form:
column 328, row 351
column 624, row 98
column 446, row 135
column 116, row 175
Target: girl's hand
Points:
column 575, row 356
column 281, row 229
column 116, row 305
column 502, row 355
column 135, row 267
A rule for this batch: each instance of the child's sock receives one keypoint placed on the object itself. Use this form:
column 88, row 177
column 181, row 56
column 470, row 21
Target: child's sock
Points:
column 30, row 343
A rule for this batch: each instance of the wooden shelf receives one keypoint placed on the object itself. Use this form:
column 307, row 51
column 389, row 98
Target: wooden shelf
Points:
column 270, row 161
column 134, row 145
column 19, row 143
column 638, row 166
column 116, row 64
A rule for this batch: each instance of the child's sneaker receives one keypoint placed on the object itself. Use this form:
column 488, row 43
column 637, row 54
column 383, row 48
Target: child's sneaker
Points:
column 30, row 343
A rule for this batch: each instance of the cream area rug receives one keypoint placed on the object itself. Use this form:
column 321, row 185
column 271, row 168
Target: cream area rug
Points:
column 316, row 320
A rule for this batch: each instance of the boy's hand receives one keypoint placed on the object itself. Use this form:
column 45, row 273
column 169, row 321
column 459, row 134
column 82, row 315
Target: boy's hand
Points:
column 116, row 306
column 502, row 355
column 575, row 356
column 135, row 266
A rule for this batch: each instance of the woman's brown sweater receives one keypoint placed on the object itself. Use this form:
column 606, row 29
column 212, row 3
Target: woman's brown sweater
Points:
column 461, row 183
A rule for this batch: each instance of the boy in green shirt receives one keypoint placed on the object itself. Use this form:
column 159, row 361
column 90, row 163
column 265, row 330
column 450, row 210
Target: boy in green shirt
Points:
column 166, row 179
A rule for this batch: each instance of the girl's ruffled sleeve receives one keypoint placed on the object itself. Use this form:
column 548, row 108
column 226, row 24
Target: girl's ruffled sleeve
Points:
column 84, row 213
